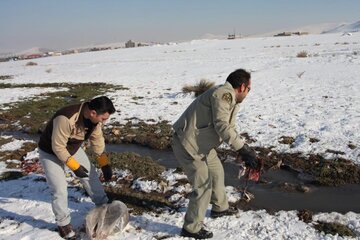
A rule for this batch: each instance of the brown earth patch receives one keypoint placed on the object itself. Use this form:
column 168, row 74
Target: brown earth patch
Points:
column 18, row 154
column 352, row 146
column 305, row 216
column 286, row 140
column 314, row 140
column 334, row 228
column 140, row 202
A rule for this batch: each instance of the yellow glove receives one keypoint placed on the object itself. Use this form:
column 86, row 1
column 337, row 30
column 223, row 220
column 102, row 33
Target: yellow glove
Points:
column 78, row 170
column 72, row 163
column 102, row 160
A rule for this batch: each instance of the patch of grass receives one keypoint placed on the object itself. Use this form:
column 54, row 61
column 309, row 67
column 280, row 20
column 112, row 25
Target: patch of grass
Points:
column 6, row 77
column 139, row 166
column 334, row 151
column 31, row 116
column 300, row 74
column 352, row 146
column 17, row 154
column 137, row 98
column 305, row 216
column 314, row 140
column 11, row 175
column 334, row 228
column 31, row 64
column 198, row 88
column 5, row 140
column 286, row 140
column 302, row 54
column 156, row 136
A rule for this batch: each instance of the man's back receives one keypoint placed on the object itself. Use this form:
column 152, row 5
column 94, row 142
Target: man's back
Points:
column 200, row 128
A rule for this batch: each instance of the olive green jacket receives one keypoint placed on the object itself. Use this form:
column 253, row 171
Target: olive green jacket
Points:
column 208, row 121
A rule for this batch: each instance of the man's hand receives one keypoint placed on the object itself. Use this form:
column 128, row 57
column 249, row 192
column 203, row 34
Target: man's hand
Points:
column 248, row 155
column 107, row 172
column 79, row 170
column 105, row 167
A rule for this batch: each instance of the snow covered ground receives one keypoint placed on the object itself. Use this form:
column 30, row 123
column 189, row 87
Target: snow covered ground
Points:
column 313, row 97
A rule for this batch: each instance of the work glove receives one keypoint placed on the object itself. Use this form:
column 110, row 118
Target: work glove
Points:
column 248, row 156
column 79, row 170
column 103, row 162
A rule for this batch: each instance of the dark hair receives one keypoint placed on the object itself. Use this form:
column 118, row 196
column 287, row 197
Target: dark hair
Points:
column 239, row 77
column 101, row 105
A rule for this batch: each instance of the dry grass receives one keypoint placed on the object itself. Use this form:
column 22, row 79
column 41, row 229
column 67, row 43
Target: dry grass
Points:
column 302, row 54
column 198, row 88
column 300, row 74
column 31, row 64
column 6, row 77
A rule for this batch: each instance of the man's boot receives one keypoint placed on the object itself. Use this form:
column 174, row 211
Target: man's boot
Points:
column 67, row 232
column 228, row 212
column 202, row 234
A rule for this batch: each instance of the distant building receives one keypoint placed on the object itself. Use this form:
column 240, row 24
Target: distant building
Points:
column 32, row 56
column 283, row 34
column 142, row 44
column 286, row 34
column 231, row 36
column 72, row 51
column 129, row 44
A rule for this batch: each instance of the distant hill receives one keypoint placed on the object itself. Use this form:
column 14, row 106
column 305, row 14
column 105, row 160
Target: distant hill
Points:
column 35, row 50
column 353, row 27
column 321, row 28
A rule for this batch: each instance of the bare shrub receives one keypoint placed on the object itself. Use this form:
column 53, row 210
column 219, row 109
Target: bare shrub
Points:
column 302, row 54
column 198, row 88
column 31, row 64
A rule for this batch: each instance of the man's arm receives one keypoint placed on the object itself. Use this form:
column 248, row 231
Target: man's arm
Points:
column 221, row 109
column 97, row 140
column 60, row 136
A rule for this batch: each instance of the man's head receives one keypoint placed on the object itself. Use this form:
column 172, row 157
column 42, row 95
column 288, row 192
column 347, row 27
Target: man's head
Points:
column 240, row 80
column 100, row 109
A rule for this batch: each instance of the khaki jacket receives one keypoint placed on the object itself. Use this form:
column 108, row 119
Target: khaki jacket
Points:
column 65, row 133
column 208, row 121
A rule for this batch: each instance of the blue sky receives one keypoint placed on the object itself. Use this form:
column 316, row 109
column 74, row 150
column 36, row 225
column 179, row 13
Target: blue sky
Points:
column 60, row 24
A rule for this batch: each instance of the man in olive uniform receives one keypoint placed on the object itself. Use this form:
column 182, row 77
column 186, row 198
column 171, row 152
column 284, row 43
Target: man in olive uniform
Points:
column 207, row 122
column 60, row 145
